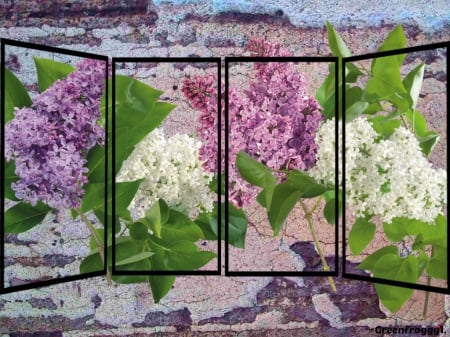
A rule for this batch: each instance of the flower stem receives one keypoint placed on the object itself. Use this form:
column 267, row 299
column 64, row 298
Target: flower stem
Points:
column 427, row 298
column 98, row 242
column 308, row 215
column 404, row 121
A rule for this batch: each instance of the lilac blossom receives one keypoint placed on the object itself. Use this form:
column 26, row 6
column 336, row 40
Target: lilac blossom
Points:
column 273, row 120
column 202, row 94
column 49, row 141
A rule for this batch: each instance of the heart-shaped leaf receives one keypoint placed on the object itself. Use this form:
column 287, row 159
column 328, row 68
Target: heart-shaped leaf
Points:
column 361, row 234
column 392, row 267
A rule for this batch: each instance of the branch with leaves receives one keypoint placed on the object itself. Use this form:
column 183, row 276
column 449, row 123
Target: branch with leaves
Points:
column 389, row 179
column 156, row 237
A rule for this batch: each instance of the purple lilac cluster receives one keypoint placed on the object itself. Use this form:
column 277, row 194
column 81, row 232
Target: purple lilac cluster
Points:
column 50, row 140
column 202, row 94
column 274, row 120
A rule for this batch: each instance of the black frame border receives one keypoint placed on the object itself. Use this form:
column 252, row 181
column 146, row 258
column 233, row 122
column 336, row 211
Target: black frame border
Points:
column 39, row 284
column 346, row 274
column 217, row 61
column 297, row 59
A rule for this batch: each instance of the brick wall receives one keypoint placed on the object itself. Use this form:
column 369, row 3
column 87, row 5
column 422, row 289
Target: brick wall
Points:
column 203, row 306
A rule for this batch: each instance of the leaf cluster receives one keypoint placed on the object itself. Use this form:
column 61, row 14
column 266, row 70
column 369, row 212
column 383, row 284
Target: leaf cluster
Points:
column 165, row 240
column 389, row 100
column 279, row 198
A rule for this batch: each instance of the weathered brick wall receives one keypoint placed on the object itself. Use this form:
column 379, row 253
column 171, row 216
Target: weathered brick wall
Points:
column 206, row 306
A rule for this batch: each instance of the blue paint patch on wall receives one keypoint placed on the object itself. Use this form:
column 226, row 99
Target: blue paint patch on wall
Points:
column 428, row 15
column 248, row 6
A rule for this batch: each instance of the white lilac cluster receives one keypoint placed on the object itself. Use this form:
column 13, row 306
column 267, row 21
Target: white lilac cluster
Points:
column 387, row 178
column 172, row 172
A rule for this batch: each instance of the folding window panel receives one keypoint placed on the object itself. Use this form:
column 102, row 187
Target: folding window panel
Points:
column 395, row 171
column 54, row 155
column 166, row 164
column 281, row 198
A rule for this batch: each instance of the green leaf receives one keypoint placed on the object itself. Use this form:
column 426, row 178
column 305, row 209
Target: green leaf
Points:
column 339, row 49
column 15, row 95
column 431, row 234
column 351, row 73
column 369, row 262
column 96, row 164
column 373, row 108
column 418, row 244
column 10, row 177
column 285, row 196
column 422, row 263
column 401, row 101
column 160, row 286
column 329, row 107
column 253, row 171
column 135, row 258
column 261, row 198
column 100, row 214
column 306, row 184
column 126, row 248
column 94, row 197
column 139, row 231
column 418, row 122
column 327, row 87
column 355, row 110
column 396, row 230
column 214, row 185
column 137, row 114
column 207, row 222
column 330, row 195
column 125, row 192
column 237, row 226
column 129, row 256
column 181, row 255
column 395, row 268
column 336, row 43
column 395, row 40
column 22, row 217
column 101, row 234
column 91, row 263
column 329, row 210
column 256, row 174
column 185, row 255
column 385, row 82
column 436, row 234
column 157, row 215
column 437, row 266
column 413, row 83
column 352, row 95
column 179, row 227
column 361, row 233
column 49, row 71
column 384, row 126
column 428, row 142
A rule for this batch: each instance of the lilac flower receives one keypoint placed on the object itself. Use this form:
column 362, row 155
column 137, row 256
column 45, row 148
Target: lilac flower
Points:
column 49, row 140
column 273, row 120
column 202, row 94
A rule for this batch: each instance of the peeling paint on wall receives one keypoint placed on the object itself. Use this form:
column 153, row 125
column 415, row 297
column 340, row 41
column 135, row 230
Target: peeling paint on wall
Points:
column 204, row 306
